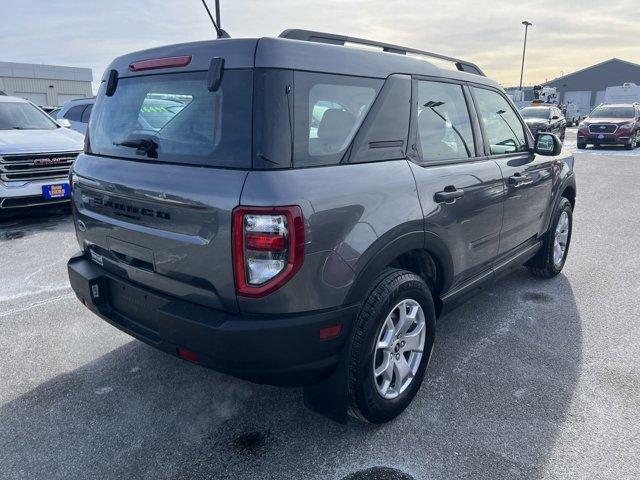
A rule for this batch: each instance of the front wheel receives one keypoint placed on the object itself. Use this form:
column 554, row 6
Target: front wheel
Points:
column 392, row 342
column 552, row 255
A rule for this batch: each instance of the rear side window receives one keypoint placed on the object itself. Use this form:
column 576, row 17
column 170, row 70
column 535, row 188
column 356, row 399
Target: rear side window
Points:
column 329, row 109
column 502, row 127
column 74, row 114
column 175, row 118
column 444, row 124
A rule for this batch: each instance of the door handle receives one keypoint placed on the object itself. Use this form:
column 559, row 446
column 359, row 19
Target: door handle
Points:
column 517, row 179
column 449, row 194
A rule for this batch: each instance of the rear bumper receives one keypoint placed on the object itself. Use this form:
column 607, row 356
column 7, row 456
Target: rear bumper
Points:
column 264, row 349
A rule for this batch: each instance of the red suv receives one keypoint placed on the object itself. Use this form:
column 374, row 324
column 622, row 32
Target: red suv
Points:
column 611, row 125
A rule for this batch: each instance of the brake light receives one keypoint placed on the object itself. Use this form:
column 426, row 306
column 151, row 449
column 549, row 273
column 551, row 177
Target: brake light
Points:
column 166, row 62
column 268, row 248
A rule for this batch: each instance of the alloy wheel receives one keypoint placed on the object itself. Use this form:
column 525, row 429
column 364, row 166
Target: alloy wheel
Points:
column 399, row 348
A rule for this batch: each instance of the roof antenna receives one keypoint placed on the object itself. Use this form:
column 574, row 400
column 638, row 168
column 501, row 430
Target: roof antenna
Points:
column 219, row 32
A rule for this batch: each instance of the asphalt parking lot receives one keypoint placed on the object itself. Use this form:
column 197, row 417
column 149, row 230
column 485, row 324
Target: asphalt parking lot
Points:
column 530, row 379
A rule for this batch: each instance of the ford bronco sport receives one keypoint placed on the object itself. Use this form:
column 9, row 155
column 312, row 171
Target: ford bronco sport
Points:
column 299, row 212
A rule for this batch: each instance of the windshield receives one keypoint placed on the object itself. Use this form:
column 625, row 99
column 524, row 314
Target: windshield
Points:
column 536, row 112
column 175, row 118
column 23, row 116
column 613, row 112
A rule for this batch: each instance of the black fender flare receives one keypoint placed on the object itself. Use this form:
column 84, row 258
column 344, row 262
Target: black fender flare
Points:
column 385, row 250
column 568, row 181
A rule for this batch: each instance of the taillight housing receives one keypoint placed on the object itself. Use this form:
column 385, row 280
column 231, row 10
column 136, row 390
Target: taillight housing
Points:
column 268, row 248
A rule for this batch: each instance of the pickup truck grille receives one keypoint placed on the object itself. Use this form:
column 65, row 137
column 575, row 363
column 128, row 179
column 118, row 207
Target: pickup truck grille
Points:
column 31, row 166
column 603, row 128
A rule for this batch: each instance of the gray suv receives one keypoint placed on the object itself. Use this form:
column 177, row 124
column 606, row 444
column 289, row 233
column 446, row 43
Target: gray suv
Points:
column 294, row 211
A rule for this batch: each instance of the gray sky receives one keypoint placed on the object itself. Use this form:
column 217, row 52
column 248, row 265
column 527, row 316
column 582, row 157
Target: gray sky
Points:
column 567, row 34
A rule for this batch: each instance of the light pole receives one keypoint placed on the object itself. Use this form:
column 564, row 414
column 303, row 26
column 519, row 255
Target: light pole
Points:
column 524, row 50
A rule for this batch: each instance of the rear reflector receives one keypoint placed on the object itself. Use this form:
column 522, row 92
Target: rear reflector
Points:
column 265, row 242
column 328, row 333
column 187, row 354
column 166, row 62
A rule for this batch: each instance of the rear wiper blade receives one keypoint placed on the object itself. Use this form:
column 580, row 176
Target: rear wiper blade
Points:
column 143, row 146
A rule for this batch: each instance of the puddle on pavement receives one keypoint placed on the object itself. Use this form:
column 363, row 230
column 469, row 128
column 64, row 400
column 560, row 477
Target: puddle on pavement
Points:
column 250, row 442
column 379, row 473
column 11, row 235
column 536, row 297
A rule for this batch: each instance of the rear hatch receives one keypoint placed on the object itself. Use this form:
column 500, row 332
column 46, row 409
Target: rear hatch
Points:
column 165, row 164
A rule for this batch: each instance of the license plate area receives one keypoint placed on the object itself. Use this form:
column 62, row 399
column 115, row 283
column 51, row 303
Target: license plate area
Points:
column 56, row 191
column 134, row 305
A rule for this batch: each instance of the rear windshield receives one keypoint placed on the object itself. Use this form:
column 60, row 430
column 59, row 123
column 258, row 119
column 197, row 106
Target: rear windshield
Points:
column 23, row 116
column 536, row 112
column 175, row 118
column 613, row 112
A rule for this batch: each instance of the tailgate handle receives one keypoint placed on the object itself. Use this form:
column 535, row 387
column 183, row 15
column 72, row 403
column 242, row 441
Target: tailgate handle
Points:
column 134, row 262
column 131, row 254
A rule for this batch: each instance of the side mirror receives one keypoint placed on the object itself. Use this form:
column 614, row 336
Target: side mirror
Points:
column 63, row 122
column 548, row 144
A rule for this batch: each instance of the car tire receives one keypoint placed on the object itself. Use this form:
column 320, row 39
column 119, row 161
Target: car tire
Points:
column 552, row 256
column 582, row 146
column 376, row 346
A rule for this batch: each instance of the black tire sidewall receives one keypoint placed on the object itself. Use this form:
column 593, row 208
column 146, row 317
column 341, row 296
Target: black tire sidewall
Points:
column 371, row 405
column 564, row 206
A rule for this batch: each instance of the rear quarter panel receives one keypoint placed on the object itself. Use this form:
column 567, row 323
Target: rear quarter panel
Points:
column 349, row 211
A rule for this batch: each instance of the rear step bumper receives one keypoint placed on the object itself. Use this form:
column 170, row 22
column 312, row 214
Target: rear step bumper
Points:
column 278, row 350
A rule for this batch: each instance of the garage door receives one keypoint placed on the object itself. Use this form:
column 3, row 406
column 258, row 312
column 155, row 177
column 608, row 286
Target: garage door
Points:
column 581, row 99
column 599, row 98
column 64, row 98
column 39, row 99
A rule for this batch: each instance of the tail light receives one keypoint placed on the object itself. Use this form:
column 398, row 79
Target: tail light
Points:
column 268, row 248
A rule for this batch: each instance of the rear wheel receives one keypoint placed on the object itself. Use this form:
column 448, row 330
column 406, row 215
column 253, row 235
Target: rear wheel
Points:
column 582, row 146
column 552, row 255
column 392, row 342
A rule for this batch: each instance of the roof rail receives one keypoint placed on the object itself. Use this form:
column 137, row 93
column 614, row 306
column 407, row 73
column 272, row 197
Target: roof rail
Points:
column 330, row 38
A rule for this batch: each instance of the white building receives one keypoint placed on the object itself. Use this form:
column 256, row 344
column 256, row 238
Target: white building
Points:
column 45, row 85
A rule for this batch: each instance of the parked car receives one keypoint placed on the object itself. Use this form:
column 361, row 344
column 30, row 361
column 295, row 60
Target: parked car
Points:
column 611, row 125
column 77, row 112
column 35, row 156
column 571, row 114
column 311, row 239
column 545, row 118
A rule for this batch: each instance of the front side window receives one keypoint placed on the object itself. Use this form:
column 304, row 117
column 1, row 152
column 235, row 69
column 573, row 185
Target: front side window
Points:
column 329, row 109
column 175, row 118
column 86, row 115
column 23, row 116
column 444, row 124
column 502, row 126
column 74, row 114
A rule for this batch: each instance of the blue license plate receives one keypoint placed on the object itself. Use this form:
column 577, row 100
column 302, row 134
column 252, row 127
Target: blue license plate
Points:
column 58, row 190
column 600, row 137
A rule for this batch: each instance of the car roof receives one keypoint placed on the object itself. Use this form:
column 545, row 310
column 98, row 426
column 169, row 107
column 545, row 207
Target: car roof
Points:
column 625, row 105
column 8, row 99
column 287, row 53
